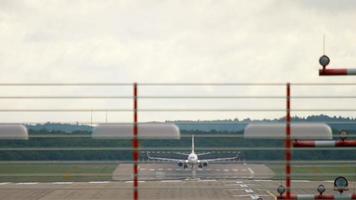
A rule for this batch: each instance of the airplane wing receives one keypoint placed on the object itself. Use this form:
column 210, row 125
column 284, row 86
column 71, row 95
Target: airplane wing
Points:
column 222, row 159
column 184, row 154
column 202, row 154
column 165, row 159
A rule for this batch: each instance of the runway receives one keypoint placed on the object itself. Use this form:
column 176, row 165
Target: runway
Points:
column 165, row 181
column 161, row 171
column 150, row 190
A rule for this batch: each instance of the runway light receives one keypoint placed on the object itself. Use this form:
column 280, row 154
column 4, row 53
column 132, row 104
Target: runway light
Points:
column 324, row 61
column 281, row 190
column 343, row 134
column 321, row 189
column 341, row 184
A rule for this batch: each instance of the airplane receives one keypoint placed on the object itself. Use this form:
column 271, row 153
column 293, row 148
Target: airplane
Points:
column 193, row 159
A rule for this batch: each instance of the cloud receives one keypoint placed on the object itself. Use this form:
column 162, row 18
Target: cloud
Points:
column 174, row 41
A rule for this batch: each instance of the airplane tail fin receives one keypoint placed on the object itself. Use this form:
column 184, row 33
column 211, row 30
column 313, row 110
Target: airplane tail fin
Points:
column 193, row 144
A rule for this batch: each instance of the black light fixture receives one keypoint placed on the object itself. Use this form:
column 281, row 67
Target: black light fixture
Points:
column 281, row 190
column 343, row 134
column 321, row 189
column 324, row 60
column 341, row 184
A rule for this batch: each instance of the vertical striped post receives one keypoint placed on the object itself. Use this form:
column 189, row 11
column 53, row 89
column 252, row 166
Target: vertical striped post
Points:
column 288, row 145
column 135, row 144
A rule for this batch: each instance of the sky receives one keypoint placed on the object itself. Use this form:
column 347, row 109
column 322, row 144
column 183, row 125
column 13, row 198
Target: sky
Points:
column 158, row 41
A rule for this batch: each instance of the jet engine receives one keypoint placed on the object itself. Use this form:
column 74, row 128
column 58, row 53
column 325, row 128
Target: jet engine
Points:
column 203, row 164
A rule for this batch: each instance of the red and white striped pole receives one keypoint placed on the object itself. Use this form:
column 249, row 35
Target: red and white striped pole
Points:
column 288, row 145
column 318, row 197
column 332, row 143
column 337, row 72
column 325, row 60
column 135, row 144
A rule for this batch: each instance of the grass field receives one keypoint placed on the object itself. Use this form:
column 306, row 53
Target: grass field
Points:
column 55, row 172
column 316, row 172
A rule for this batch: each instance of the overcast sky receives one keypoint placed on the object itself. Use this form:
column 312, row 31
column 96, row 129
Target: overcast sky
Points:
column 174, row 41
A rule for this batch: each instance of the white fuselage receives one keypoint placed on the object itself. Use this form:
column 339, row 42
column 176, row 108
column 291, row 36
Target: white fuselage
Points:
column 192, row 158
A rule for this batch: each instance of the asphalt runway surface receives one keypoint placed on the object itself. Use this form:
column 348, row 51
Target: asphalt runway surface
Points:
column 161, row 171
column 150, row 190
column 246, row 185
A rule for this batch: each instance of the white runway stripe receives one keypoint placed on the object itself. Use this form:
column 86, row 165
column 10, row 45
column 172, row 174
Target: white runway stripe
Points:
column 300, row 181
column 62, row 183
column 243, row 185
column 99, row 182
column 207, row 180
column 28, row 183
column 132, row 181
column 254, row 196
column 171, row 181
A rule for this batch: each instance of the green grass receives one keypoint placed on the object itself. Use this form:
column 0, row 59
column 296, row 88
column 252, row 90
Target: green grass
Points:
column 55, row 172
column 316, row 172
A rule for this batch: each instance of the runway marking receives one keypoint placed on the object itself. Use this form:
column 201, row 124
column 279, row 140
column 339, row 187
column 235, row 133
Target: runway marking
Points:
column 152, row 169
column 251, row 171
column 238, row 182
column 99, row 182
column 5, row 183
column 235, row 170
column 249, row 191
column 210, row 180
column 226, row 170
column 132, row 181
column 301, row 181
column 62, row 183
column 243, row 185
column 233, row 189
column 254, row 196
column 271, row 194
column 328, row 181
column 171, row 181
column 28, row 183
column 263, row 180
column 241, row 195
column 249, row 195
